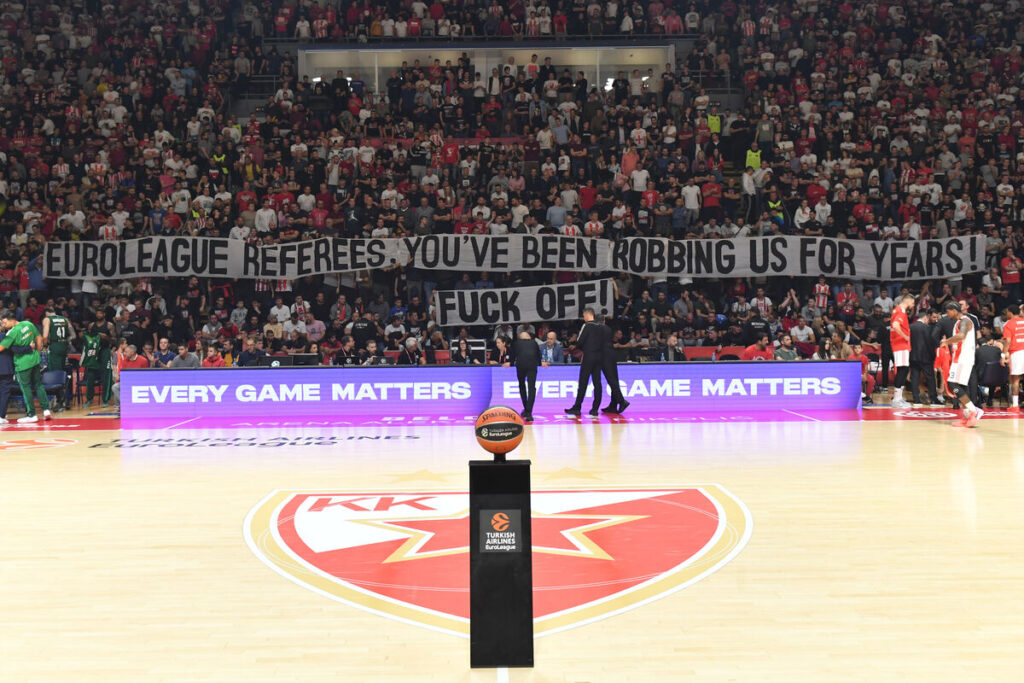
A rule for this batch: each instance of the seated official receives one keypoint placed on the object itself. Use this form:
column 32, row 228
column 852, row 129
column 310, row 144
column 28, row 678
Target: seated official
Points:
column 500, row 355
column 673, row 350
column 411, row 353
column 347, row 354
column 371, row 355
column 462, row 355
column 251, row 354
column 551, row 352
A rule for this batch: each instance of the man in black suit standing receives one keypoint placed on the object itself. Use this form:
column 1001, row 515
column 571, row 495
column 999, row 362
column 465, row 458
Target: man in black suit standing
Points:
column 526, row 357
column 922, row 359
column 591, row 342
column 611, row 372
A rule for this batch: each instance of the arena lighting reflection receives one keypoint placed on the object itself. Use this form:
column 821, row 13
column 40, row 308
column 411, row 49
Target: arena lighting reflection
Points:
column 215, row 424
column 439, row 448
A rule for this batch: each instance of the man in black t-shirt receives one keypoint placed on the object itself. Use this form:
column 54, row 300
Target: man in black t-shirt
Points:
column 363, row 330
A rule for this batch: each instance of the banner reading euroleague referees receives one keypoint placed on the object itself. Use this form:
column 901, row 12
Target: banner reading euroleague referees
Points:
column 780, row 255
column 458, row 393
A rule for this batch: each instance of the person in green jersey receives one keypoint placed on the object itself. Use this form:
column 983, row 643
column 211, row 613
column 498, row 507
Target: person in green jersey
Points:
column 104, row 331
column 26, row 365
column 57, row 335
column 91, row 365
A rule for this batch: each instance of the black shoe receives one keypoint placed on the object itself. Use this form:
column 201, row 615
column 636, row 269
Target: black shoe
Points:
column 594, row 412
column 573, row 411
column 527, row 417
column 611, row 408
column 622, row 406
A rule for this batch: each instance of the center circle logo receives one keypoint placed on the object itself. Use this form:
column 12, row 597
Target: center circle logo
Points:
column 499, row 522
column 923, row 413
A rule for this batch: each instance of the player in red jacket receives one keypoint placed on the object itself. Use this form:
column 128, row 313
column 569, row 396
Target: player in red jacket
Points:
column 899, row 337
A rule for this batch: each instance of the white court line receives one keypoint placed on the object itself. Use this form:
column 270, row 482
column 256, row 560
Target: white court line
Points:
column 502, row 674
column 191, row 419
column 806, row 417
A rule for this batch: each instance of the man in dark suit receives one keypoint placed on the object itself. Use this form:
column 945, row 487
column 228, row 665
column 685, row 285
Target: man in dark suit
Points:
column 988, row 353
column 922, row 359
column 526, row 357
column 591, row 342
column 611, row 372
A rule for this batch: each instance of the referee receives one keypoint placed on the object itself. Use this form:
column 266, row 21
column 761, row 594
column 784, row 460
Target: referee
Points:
column 527, row 359
column 610, row 368
column 591, row 342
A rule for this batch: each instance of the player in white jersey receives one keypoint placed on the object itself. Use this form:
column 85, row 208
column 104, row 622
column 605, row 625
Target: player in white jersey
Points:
column 961, row 350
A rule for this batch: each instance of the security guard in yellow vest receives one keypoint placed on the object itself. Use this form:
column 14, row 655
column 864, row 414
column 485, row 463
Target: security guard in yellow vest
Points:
column 220, row 162
column 753, row 157
column 715, row 121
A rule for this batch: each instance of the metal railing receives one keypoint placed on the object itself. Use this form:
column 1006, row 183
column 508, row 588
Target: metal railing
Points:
column 430, row 40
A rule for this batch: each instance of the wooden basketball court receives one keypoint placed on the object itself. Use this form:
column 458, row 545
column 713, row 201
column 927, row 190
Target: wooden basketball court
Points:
column 872, row 550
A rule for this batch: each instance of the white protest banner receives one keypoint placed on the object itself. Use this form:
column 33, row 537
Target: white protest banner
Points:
column 523, row 304
column 781, row 255
column 801, row 256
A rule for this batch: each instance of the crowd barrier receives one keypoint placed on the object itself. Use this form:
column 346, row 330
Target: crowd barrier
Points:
column 379, row 395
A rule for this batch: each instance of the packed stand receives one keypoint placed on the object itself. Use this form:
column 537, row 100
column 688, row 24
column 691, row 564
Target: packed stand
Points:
column 876, row 122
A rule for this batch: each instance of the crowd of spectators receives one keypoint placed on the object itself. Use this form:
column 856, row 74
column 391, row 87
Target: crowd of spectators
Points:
column 876, row 121
column 512, row 20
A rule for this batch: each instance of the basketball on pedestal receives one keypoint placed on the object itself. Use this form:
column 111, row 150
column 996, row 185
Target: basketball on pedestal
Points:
column 499, row 429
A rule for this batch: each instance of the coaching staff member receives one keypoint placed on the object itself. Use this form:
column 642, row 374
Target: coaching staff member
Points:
column 922, row 360
column 526, row 357
column 610, row 368
column 591, row 342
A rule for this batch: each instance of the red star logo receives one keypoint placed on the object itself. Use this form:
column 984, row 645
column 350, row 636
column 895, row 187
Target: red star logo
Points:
column 556, row 534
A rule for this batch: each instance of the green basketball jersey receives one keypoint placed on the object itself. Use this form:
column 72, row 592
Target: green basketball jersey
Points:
column 90, row 351
column 22, row 334
column 60, row 333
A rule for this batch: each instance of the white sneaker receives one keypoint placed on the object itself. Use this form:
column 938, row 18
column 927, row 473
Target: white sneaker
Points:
column 899, row 403
column 918, row 405
column 938, row 405
column 4, row 420
column 27, row 419
column 47, row 415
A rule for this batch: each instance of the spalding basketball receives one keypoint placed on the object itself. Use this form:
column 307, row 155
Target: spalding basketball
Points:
column 499, row 429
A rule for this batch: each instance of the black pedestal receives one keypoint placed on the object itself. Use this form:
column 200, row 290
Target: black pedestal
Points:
column 500, row 564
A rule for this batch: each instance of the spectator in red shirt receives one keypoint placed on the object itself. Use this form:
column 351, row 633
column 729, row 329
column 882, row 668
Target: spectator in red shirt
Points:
column 1010, row 266
column 759, row 350
column 130, row 359
column 847, row 301
column 35, row 311
column 213, row 358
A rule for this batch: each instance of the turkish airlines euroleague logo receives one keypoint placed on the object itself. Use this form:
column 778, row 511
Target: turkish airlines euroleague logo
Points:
column 499, row 522
column 406, row 554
